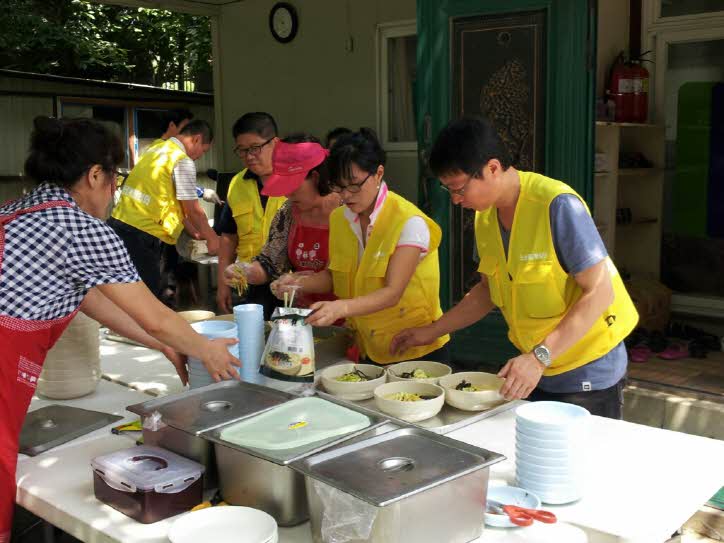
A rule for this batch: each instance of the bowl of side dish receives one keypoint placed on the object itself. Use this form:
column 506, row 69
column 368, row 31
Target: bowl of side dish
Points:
column 421, row 371
column 409, row 400
column 351, row 381
column 472, row 390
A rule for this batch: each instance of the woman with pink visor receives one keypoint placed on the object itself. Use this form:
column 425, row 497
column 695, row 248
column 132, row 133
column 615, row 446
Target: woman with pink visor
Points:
column 299, row 233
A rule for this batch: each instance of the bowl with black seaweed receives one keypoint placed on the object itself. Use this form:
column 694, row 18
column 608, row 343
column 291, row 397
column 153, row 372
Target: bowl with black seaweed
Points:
column 351, row 381
column 421, row 371
column 472, row 390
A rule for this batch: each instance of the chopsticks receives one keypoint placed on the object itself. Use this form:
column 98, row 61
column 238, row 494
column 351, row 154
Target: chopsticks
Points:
column 289, row 300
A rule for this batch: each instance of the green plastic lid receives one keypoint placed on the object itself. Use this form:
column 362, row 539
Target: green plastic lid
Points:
column 295, row 424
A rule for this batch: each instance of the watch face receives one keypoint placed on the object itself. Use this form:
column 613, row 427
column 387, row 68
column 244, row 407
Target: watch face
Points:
column 542, row 353
column 282, row 23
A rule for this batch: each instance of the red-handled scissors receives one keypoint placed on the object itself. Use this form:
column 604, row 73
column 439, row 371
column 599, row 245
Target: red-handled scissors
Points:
column 521, row 516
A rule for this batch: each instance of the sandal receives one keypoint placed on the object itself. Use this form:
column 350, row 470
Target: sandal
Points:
column 675, row 351
column 640, row 353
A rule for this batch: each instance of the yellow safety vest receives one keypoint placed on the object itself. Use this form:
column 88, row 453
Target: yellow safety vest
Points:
column 148, row 197
column 420, row 302
column 532, row 289
column 252, row 222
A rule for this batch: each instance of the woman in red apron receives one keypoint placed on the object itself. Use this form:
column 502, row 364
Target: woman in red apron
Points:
column 299, row 234
column 56, row 257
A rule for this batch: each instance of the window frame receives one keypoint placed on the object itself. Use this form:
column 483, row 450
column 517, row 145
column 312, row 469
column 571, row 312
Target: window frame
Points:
column 386, row 31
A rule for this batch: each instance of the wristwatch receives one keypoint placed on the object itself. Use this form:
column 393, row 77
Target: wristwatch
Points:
column 543, row 354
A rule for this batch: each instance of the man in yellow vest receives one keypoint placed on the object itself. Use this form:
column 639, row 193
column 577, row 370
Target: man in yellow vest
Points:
column 158, row 196
column 245, row 220
column 543, row 264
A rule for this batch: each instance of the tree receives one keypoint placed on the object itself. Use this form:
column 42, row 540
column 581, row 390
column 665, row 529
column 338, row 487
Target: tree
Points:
column 96, row 41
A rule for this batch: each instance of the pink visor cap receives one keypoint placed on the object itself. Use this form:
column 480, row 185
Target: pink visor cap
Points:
column 291, row 163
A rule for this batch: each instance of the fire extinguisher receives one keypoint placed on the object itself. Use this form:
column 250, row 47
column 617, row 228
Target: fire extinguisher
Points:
column 621, row 89
column 640, row 87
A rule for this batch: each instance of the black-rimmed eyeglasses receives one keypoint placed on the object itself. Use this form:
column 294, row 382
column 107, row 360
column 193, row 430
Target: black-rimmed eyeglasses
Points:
column 253, row 150
column 351, row 187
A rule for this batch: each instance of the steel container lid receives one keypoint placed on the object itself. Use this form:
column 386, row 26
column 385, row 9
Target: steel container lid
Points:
column 202, row 409
column 387, row 468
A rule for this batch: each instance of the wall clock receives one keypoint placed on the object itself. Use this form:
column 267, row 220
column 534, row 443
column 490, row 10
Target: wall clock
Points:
column 283, row 22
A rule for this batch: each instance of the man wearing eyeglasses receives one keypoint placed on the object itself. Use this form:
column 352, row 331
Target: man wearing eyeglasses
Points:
column 245, row 220
column 544, row 265
column 159, row 197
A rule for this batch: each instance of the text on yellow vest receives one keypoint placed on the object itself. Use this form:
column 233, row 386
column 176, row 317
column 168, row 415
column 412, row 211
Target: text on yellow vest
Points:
column 420, row 302
column 532, row 289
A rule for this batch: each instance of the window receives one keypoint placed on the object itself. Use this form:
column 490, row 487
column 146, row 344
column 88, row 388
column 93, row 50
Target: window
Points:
column 397, row 66
column 112, row 115
column 679, row 8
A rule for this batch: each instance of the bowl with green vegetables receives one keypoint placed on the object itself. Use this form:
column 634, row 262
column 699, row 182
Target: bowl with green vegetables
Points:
column 350, row 381
column 472, row 390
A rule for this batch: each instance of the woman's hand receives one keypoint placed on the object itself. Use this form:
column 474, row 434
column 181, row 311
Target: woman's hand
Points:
column 233, row 273
column 288, row 282
column 179, row 362
column 327, row 313
column 219, row 362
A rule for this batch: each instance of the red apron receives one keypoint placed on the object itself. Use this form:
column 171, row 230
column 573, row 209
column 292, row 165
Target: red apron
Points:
column 308, row 250
column 25, row 343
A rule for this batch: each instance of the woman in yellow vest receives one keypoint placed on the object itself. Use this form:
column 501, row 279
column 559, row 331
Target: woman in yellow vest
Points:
column 383, row 261
column 244, row 223
column 543, row 264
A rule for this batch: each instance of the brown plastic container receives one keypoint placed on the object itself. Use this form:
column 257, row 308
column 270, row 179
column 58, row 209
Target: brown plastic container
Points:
column 147, row 483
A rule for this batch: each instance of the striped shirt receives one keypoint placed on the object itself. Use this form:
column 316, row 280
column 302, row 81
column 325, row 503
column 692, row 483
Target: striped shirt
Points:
column 184, row 176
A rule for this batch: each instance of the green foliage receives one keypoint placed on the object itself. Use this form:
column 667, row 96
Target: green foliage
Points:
column 82, row 39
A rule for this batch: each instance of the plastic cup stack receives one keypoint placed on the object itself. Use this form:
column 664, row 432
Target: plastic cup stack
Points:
column 198, row 376
column 550, row 450
column 250, row 330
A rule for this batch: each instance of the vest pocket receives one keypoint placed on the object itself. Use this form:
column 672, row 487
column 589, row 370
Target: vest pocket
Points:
column 244, row 219
column 489, row 267
column 537, row 290
column 341, row 270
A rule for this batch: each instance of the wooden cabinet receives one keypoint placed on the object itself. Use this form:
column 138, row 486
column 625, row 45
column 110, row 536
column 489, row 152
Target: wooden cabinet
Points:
column 628, row 201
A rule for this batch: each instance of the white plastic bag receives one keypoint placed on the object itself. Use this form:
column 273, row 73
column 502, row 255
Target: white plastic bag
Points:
column 289, row 351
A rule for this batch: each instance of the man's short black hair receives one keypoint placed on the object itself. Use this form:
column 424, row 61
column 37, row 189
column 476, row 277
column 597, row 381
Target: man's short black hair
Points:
column 199, row 126
column 466, row 145
column 257, row 122
column 175, row 116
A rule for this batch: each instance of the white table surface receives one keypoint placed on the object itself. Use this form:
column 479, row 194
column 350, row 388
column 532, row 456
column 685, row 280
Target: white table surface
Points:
column 139, row 368
column 644, row 483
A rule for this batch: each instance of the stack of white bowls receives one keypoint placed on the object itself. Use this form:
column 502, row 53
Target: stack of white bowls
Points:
column 212, row 329
column 550, row 450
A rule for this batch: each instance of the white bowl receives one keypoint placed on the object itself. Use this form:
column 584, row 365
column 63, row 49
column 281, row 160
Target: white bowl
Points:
column 574, row 444
column 196, row 315
column 346, row 390
column 550, row 415
column 575, row 431
column 226, row 524
column 555, row 460
column 553, row 494
column 434, row 369
column 473, row 401
column 565, row 453
column 557, row 470
column 410, row 411
column 509, row 495
column 536, row 476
